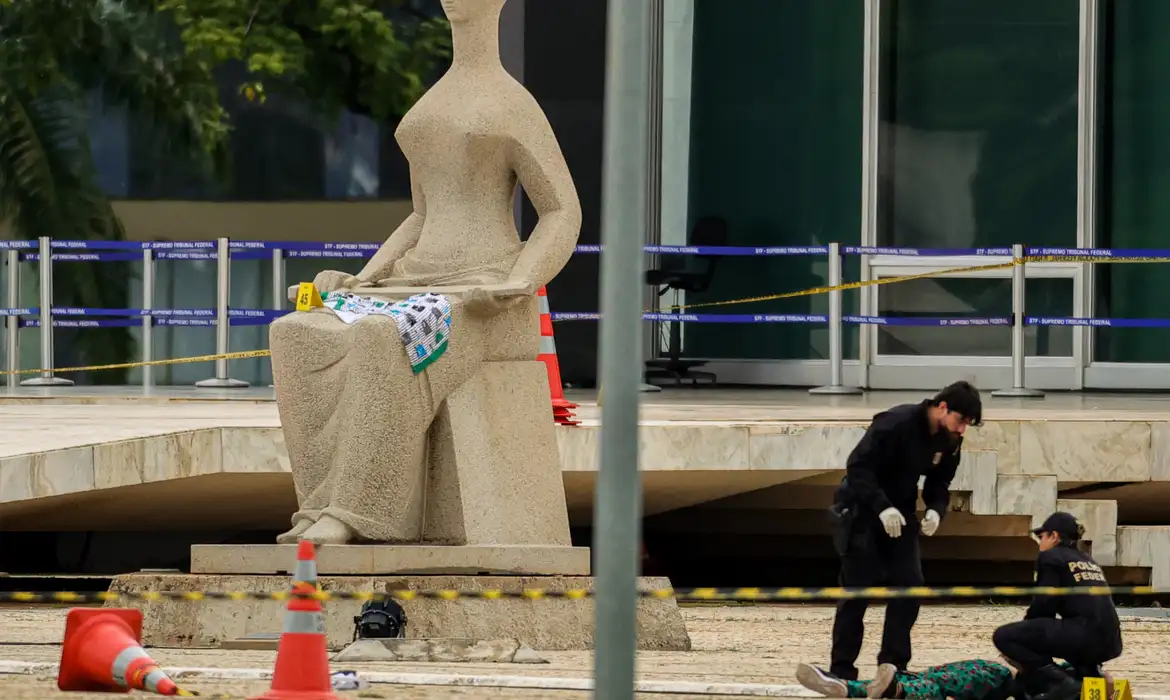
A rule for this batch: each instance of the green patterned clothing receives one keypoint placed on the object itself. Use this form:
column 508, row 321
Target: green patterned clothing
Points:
column 974, row 679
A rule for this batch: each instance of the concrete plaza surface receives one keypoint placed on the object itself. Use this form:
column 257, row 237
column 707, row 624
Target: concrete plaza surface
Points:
column 732, row 644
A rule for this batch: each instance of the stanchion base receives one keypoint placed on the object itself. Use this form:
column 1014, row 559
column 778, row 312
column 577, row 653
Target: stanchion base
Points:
column 648, row 388
column 830, row 390
column 216, row 383
column 47, row 381
column 1018, row 392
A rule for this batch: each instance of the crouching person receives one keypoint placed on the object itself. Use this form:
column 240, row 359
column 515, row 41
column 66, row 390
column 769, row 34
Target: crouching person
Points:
column 1081, row 629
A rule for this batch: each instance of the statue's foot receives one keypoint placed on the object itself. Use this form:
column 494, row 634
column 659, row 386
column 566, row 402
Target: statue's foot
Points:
column 295, row 533
column 328, row 530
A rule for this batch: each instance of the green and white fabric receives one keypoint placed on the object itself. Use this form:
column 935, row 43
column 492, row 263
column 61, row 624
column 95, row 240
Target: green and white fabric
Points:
column 424, row 321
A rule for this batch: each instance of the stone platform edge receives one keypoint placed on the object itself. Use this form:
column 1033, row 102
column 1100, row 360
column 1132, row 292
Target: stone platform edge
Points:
column 557, row 624
column 388, row 560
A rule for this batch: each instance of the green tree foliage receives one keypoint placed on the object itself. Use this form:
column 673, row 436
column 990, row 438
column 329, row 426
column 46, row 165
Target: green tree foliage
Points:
column 161, row 58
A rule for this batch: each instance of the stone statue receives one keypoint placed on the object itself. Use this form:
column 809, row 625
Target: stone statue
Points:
column 357, row 418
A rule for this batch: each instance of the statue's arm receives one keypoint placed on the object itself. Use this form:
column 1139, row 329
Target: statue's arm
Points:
column 403, row 239
column 541, row 170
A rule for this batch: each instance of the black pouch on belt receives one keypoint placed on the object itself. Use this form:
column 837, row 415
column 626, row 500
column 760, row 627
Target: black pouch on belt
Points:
column 841, row 517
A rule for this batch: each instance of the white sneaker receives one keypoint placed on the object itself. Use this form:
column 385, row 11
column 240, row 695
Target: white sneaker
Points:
column 885, row 676
column 818, row 681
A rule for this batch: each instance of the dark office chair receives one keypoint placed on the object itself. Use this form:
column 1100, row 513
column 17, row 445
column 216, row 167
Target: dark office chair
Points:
column 686, row 273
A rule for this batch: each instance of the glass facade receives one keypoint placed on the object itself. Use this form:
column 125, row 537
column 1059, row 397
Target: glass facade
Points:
column 977, row 138
column 280, row 151
column 775, row 128
column 1134, row 176
column 978, row 148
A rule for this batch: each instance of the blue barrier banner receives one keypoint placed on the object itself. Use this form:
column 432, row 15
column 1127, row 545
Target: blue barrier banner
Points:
column 922, row 252
column 97, row 245
column 79, row 311
column 126, row 245
column 701, row 318
column 1099, row 322
column 331, row 254
column 915, row 321
column 303, row 246
column 1102, row 253
column 319, row 249
column 85, row 257
column 86, row 323
column 719, row 250
column 158, row 313
column 184, row 322
column 18, row 245
column 793, row 318
column 184, row 255
column 20, row 311
column 264, row 315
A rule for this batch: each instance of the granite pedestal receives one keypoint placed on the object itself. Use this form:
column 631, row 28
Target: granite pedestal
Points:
column 550, row 625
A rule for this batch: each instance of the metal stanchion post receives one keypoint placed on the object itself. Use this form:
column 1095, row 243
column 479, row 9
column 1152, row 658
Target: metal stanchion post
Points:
column 836, row 332
column 223, row 263
column 279, row 292
column 1019, row 277
column 12, row 300
column 147, row 319
column 45, row 250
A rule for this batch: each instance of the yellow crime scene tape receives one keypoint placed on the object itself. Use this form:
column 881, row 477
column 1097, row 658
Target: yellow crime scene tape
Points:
column 679, row 594
column 308, row 298
column 241, row 355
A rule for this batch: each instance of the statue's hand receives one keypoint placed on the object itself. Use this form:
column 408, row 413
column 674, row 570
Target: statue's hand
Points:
column 497, row 298
column 333, row 280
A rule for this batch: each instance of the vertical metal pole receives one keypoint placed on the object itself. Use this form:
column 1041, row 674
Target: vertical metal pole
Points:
column 223, row 275
column 616, row 514
column 279, row 292
column 1019, row 277
column 12, row 300
column 45, row 250
column 836, row 332
column 652, row 234
column 147, row 320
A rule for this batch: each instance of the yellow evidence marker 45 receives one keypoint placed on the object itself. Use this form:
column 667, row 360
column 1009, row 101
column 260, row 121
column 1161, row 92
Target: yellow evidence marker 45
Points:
column 308, row 297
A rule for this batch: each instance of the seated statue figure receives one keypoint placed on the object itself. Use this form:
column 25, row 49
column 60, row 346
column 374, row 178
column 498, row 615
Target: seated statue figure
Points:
column 355, row 413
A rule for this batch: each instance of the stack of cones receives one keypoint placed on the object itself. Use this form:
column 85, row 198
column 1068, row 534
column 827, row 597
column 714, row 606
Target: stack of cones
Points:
column 302, row 659
column 103, row 653
column 562, row 408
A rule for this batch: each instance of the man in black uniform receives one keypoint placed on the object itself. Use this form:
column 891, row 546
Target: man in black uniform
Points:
column 1087, row 632
column 874, row 512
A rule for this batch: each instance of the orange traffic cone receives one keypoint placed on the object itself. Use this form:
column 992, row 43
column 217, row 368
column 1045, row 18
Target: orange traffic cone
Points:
column 103, row 653
column 562, row 408
column 302, row 661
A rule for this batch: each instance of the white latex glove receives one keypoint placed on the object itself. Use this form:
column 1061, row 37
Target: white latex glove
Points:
column 930, row 523
column 892, row 521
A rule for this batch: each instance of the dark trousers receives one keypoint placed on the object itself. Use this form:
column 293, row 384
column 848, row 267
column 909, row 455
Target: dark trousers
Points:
column 872, row 558
column 1032, row 644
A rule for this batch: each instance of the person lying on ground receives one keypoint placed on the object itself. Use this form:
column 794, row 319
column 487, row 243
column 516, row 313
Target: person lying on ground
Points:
column 973, row 679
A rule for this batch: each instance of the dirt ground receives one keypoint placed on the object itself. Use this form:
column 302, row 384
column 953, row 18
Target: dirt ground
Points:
column 734, row 644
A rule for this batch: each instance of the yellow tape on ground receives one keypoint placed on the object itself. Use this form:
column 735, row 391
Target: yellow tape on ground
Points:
column 683, row 594
column 242, row 355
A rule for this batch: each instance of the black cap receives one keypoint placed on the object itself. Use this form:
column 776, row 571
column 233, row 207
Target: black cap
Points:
column 1063, row 524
